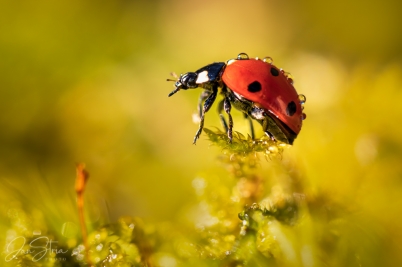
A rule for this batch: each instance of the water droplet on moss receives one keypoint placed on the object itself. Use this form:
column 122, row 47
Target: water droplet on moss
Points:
column 273, row 149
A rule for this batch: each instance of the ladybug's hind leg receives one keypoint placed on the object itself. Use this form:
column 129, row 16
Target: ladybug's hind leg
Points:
column 227, row 107
column 221, row 117
column 207, row 105
column 251, row 125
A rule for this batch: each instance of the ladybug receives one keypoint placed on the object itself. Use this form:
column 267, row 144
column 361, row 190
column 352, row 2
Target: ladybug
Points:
column 256, row 87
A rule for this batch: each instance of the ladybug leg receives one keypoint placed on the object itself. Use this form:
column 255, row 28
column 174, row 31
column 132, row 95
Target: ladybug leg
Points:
column 207, row 105
column 266, row 125
column 270, row 136
column 204, row 95
column 221, row 117
column 227, row 106
column 250, row 121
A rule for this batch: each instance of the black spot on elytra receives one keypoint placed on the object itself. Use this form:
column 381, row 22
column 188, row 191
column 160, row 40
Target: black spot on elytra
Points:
column 274, row 72
column 291, row 109
column 254, row 87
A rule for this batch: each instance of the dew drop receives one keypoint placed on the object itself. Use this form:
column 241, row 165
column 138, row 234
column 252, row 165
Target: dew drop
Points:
column 99, row 247
column 273, row 149
column 268, row 60
column 80, row 257
column 243, row 230
column 254, row 206
column 289, row 77
column 303, row 116
column 302, row 99
column 242, row 56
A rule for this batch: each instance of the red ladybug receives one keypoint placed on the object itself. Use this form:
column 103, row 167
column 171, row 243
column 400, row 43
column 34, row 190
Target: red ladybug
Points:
column 256, row 87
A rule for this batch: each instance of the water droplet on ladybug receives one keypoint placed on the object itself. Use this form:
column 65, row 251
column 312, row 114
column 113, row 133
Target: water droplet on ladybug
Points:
column 302, row 99
column 303, row 116
column 289, row 77
column 242, row 56
column 268, row 60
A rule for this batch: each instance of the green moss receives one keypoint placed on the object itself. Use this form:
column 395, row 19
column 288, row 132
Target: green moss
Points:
column 247, row 215
column 244, row 146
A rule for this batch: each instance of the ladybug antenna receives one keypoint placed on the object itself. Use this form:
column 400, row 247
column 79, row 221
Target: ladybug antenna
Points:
column 174, row 76
column 173, row 80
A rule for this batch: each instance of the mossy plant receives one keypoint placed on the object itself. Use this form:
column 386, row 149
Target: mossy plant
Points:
column 243, row 219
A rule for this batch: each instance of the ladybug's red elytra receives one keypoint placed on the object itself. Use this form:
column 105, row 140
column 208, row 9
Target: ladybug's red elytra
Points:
column 256, row 87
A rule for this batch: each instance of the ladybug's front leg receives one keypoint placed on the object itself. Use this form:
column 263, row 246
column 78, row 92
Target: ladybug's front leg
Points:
column 207, row 105
column 221, row 117
column 204, row 95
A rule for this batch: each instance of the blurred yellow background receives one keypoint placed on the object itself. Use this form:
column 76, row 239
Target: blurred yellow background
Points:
column 85, row 81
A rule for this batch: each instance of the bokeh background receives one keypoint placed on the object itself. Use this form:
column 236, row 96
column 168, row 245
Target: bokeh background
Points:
column 85, row 81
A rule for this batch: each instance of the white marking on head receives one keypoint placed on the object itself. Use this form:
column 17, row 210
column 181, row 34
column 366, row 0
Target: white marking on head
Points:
column 202, row 77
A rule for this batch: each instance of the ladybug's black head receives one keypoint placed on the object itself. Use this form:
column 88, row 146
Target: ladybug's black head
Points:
column 185, row 81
